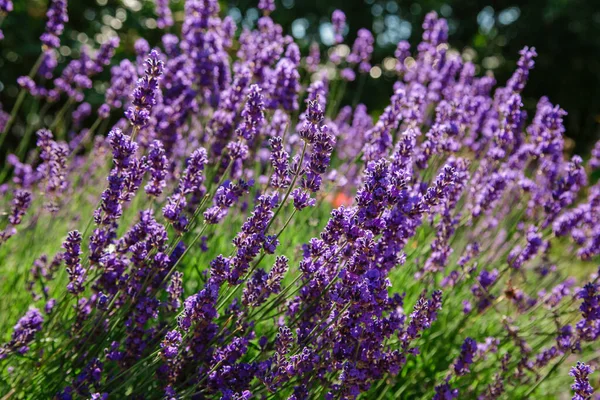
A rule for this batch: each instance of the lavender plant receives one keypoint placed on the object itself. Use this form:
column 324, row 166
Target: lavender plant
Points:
column 464, row 266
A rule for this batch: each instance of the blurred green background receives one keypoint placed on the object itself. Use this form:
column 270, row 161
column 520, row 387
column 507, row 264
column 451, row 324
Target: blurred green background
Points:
column 566, row 34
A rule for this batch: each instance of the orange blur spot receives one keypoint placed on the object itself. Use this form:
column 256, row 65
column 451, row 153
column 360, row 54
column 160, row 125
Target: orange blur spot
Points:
column 341, row 199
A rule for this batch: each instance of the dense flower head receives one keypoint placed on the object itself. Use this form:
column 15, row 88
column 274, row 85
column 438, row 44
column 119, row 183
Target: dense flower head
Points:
column 165, row 16
column 253, row 114
column 145, row 93
column 467, row 352
column 582, row 388
column 362, row 49
column 57, row 18
column 123, row 78
column 54, row 161
column 157, row 165
column 524, row 65
column 338, row 20
column 424, row 313
column 77, row 273
column 280, row 162
column 193, row 175
column 589, row 326
column 284, row 85
column 225, row 197
column 20, row 203
column 23, row 333
column 48, row 64
column 105, row 54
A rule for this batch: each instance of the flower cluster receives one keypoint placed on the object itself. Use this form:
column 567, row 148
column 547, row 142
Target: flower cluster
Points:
column 285, row 244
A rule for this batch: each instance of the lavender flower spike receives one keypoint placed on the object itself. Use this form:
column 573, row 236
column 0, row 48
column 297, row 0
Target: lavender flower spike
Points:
column 23, row 334
column 165, row 17
column 57, row 18
column 144, row 95
column 72, row 259
column 362, row 50
column 157, row 164
column 20, row 204
column 583, row 389
column 338, row 20
column 467, row 352
column 253, row 114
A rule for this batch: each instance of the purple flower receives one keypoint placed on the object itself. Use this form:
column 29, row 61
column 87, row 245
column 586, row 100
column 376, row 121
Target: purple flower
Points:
column 252, row 115
column 261, row 285
column 54, row 163
column 202, row 41
column 123, row 149
column 251, row 238
column 435, row 30
column 20, row 204
column 49, row 306
column 589, row 327
column 104, row 55
column 49, row 63
column 145, row 92
column 23, row 333
column 480, row 290
column 284, row 86
column 445, row 392
column 276, row 274
column 280, row 162
column 268, row 6
column 313, row 58
column 57, row 18
column 191, row 182
column 321, row 143
column 122, row 81
column 6, row 6
column 517, row 81
column 123, row 181
column 402, row 53
column 379, row 137
column 193, row 176
column 583, row 389
column 302, row 199
column 175, row 290
column 81, row 113
column 424, row 314
column 467, row 352
column 348, row 75
column 157, row 165
column 362, row 49
column 518, row 257
column 165, row 17
column 77, row 273
column 338, row 20
column 170, row 344
column 595, row 156
column 225, row 197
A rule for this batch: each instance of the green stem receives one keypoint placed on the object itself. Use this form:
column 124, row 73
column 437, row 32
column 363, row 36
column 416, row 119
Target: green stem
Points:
column 61, row 113
column 19, row 101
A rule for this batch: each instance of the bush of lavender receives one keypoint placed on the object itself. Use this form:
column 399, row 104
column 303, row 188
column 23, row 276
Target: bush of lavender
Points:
column 223, row 227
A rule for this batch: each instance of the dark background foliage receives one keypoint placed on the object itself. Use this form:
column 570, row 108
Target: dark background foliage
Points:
column 566, row 34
